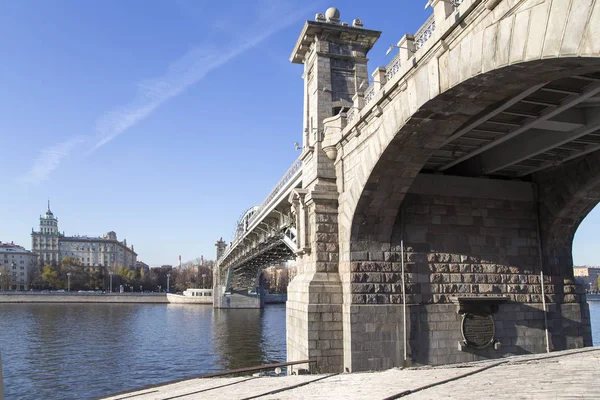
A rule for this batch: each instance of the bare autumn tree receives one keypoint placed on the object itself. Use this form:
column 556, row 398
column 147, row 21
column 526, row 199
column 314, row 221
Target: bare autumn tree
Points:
column 5, row 277
column 283, row 280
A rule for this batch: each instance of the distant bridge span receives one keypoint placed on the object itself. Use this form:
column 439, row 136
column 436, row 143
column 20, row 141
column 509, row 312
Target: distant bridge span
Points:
column 439, row 194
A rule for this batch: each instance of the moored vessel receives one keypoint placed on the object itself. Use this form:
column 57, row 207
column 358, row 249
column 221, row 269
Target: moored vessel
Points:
column 192, row 296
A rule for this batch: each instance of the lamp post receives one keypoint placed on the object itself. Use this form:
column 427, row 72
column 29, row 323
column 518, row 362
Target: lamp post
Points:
column 14, row 267
column 110, row 274
column 68, row 281
column 203, row 279
column 168, row 276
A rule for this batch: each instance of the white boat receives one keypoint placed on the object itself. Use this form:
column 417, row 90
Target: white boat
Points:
column 192, row 296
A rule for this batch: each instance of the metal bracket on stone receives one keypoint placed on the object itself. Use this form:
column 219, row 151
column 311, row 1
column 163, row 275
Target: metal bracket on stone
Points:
column 491, row 4
column 478, row 305
column 377, row 111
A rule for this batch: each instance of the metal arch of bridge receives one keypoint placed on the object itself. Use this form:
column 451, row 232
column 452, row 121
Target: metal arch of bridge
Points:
column 269, row 236
column 245, row 272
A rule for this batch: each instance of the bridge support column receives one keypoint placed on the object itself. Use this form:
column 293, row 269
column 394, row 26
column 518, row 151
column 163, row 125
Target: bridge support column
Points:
column 314, row 306
column 237, row 299
column 471, row 252
column 223, row 299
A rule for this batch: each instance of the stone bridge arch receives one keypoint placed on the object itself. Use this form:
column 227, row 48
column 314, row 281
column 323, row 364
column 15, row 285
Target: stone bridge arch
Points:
column 567, row 194
column 508, row 52
column 502, row 54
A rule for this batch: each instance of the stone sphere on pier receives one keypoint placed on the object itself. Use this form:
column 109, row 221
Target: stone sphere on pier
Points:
column 332, row 14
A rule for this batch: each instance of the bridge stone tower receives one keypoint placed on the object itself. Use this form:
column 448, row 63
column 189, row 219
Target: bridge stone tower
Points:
column 335, row 73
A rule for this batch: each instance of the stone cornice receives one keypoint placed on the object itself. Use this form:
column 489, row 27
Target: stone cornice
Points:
column 312, row 28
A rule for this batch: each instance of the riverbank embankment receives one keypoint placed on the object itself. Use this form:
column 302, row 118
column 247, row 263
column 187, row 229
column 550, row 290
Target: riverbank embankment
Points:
column 38, row 297
column 144, row 298
column 562, row 374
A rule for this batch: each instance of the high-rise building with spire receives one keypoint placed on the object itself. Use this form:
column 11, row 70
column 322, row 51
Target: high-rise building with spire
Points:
column 52, row 246
column 45, row 242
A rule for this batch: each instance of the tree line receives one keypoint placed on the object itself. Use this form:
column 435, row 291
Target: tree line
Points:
column 55, row 277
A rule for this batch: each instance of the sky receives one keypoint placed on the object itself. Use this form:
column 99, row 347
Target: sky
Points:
column 162, row 120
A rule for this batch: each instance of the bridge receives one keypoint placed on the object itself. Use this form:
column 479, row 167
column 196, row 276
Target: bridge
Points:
column 432, row 210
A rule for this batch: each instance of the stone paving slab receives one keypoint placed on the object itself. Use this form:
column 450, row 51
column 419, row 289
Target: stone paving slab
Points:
column 573, row 374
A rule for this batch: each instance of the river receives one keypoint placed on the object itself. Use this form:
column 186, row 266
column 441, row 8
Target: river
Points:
column 82, row 351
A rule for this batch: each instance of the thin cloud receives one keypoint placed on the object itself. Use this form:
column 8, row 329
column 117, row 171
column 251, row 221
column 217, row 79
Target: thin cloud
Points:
column 152, row 93
column 181, row 75
column 49, row 159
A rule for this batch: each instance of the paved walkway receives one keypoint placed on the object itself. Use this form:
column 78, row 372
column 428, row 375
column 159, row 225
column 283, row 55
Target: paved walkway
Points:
column 572, row 374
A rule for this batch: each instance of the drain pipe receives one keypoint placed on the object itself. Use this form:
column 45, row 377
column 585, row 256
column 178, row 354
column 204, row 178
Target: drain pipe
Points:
column 539, row 239
column 403, row 283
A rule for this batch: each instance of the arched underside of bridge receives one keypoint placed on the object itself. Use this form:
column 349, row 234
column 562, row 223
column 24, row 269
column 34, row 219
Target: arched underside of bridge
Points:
column 473, row 134
column 472, row 212
column 498, row 163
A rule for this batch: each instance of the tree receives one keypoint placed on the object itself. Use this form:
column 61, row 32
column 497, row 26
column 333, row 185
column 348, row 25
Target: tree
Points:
column 35, row 279
column 5, row 277
column 283, row 280
column 51, row 277
column 79, row 276
column 205, row 275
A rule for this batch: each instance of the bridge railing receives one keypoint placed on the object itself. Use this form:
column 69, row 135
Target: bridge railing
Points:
column 408, row 45
column 291, row 172
column 393, row 67
column 289, row 175
column 425, row 32
column 370, row 93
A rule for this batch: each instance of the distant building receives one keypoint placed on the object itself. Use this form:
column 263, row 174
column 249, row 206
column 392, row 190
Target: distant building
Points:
column 142, row 266
column 16, row 266
column 46, row 242
column 587, row 277
column 52, row 246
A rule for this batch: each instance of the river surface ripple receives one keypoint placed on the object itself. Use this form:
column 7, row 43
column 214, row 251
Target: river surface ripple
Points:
column 82, row 351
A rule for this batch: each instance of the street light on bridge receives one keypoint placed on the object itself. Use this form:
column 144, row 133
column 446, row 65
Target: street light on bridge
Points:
column 111, row 274
column 168, row 276
column 68, row 281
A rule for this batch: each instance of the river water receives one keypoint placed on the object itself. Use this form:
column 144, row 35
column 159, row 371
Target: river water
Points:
column 82, row 351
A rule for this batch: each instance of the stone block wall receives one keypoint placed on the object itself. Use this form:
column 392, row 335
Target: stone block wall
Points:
column 462, row 237
column 434, row 333
column 314, row 306
column 458, row 242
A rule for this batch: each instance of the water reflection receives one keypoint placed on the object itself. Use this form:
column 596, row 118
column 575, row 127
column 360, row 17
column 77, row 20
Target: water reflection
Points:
column 242, row 349
column 66, row 351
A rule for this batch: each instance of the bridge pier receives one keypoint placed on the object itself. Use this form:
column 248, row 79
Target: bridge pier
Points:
column 234, row 299
column 471, row 247
column 314, row 307
column 237, row 299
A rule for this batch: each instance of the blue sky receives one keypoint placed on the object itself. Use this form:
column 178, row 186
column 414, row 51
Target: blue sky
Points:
column 162, row 120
